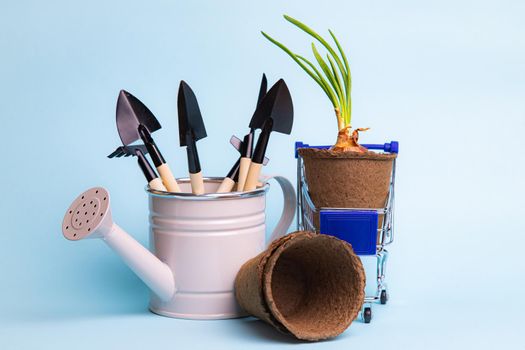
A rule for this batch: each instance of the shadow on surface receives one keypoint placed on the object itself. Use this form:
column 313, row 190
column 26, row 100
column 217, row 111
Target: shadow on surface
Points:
column 255, row 327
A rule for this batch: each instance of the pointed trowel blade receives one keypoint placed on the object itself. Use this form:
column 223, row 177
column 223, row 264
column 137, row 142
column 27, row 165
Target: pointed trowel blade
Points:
column 190, row 118
column 130, row 114
column 257, row 120
column 262, row 89
column 276, row 105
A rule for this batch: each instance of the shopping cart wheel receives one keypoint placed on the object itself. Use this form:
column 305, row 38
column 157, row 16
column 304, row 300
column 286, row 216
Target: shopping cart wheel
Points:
column 384, row 297
column 367, row 314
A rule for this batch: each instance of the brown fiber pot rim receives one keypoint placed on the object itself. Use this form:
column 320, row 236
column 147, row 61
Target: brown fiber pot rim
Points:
column 330, row 154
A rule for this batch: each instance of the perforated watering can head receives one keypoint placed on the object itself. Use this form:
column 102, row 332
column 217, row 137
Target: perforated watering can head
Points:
column 89, row 216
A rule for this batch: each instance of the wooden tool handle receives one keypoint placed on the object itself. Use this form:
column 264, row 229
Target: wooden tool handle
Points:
column 244, row 166
column 156, row 184
column 226, row 185
column 167, row 178
column 197, row 184
column 253, row 176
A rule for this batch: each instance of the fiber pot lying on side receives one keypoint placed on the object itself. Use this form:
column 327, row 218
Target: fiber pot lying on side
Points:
column 347, row 175
column 310, row 285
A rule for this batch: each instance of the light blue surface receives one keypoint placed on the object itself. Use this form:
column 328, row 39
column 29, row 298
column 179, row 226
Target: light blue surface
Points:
column 447, row 75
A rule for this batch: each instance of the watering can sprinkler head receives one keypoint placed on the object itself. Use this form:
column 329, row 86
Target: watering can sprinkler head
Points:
column 89, row 216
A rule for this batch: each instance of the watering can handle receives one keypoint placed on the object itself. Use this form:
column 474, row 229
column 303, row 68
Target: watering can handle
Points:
column 288, row 212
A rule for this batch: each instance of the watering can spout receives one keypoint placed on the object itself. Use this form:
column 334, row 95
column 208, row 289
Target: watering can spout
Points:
column 153, row 272
column 89, row 216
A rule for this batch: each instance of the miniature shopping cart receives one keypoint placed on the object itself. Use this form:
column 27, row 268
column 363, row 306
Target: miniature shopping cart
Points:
column 368, row 230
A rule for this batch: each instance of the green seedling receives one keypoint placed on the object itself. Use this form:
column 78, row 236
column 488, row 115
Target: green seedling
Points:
column 335, row 79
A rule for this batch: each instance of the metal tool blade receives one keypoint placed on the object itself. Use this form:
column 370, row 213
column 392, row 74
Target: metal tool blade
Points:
column 262, row 89
column 190, row 118
column 127, row 151
column 257, row 119
column 237, row 144
column 276, row 105
column 131, row 112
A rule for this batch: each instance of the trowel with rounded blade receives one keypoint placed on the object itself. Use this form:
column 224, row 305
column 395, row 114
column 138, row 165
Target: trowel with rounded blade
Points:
column 247, row 150
column 136, row 122
column 274, row 113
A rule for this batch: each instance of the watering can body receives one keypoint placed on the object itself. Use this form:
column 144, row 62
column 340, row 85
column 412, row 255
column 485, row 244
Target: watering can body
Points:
column 205, row 242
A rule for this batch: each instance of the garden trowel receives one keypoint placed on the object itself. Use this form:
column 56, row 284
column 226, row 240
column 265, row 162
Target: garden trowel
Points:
column 135, row 121
column 247, row 150
column 191, row 129
column 239, row 171
column 274, row 113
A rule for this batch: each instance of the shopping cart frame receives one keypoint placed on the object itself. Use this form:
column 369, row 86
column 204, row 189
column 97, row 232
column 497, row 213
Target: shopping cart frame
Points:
column 306, row 211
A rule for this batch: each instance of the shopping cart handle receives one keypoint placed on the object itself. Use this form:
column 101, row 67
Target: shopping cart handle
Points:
column 390, row 147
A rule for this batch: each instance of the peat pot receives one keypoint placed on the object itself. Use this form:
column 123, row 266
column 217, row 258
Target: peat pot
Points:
column 347, row 179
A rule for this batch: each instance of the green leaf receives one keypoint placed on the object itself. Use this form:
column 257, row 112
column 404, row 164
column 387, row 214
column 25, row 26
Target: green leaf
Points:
column 301, row 64
column 291, row 54
column 325, row 85
column 348, row 80
column 334, row 70
column 312, row 33
column 339, row 83
column 341, row 51
column 327, row 72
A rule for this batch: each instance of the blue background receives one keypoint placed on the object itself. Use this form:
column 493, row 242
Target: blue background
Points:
column 445, row 78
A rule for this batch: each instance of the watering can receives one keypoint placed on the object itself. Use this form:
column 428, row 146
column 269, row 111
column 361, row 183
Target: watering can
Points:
column 197, row 243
